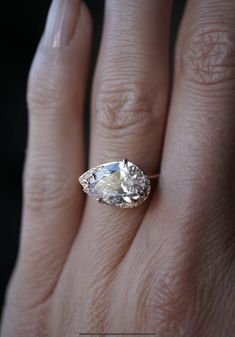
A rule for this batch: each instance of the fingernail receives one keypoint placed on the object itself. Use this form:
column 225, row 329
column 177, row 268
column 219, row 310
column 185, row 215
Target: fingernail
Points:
column 61, row 23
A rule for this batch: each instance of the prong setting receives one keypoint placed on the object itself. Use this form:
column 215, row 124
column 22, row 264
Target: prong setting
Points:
column 125, row 161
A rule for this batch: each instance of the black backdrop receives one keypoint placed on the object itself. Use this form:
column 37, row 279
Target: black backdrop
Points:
column 22, row 25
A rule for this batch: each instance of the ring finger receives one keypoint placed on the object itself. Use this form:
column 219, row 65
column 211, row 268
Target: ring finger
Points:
column 128, row 111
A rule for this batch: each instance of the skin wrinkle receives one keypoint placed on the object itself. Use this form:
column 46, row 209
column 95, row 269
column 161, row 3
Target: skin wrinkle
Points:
column 219, row 9
column 45, row 192
column 204, row 102
column 46, row 88
column 207, row 55
column 120, row 105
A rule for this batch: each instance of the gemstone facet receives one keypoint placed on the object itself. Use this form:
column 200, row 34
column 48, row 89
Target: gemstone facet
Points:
column 120, row 184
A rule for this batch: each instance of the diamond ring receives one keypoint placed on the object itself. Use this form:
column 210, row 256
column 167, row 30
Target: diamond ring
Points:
column 121, row 184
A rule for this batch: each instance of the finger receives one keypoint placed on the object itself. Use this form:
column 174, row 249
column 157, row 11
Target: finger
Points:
column 188, row 246
column 52, row 199
column 198, row 156
column 129, row 107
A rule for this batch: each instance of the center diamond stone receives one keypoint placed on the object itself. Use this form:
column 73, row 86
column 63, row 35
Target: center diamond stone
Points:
column 121, row 184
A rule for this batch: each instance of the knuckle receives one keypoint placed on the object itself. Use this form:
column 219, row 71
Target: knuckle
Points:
column 47, row 90
column 208, row 55
column 48, row 189
column 122, row 105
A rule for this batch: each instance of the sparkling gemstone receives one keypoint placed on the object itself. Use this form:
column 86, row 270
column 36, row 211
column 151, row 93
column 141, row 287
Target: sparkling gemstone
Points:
column 121, row 184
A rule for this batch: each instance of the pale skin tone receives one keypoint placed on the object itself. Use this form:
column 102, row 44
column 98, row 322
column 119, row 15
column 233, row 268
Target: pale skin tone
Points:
column 167, row 266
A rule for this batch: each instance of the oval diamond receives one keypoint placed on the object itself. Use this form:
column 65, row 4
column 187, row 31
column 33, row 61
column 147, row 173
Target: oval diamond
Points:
column 121, row 184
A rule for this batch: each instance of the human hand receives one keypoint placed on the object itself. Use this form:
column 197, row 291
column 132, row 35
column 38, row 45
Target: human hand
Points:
column 167, row 266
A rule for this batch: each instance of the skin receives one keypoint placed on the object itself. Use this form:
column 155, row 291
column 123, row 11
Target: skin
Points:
column 168, row 266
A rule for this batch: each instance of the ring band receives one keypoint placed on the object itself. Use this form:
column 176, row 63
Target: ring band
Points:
column 121, row 184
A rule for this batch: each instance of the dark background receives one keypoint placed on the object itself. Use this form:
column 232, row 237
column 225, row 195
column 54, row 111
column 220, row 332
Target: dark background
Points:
column 22, row 25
